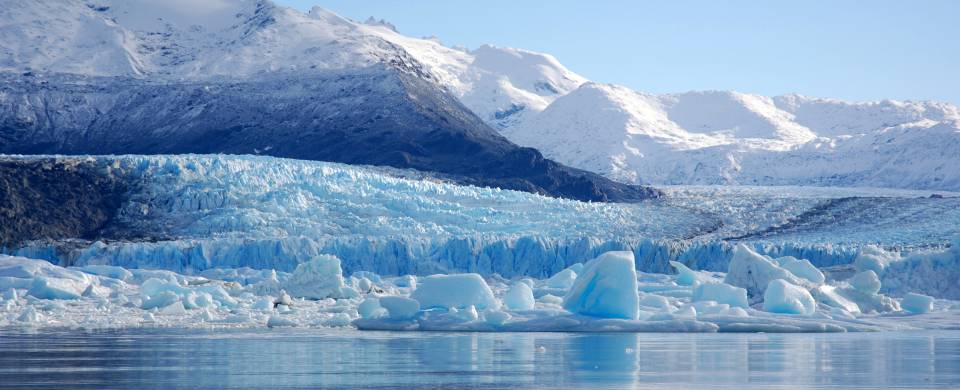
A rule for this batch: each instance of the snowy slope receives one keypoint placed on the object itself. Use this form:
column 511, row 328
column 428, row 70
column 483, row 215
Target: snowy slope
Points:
column 735, row 138
column 236, row 76
column 184, row 39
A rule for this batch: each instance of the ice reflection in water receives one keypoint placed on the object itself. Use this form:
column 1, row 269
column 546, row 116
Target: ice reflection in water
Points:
column 302, row 359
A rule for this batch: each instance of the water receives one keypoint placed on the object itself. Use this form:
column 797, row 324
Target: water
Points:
column 339, row 359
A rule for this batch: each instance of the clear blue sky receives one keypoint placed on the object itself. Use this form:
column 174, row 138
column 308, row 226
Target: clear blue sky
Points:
column 855, row 50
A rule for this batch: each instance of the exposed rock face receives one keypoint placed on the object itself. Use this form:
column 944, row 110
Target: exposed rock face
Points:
column 56, row 199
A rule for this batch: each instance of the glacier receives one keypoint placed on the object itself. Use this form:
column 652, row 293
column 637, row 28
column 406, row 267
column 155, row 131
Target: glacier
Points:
column 192, row 213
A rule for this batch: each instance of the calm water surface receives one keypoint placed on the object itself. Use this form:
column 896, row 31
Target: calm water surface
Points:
column 344, row 359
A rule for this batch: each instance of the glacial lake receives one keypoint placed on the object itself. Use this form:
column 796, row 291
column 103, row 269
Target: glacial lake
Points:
column 298, row 358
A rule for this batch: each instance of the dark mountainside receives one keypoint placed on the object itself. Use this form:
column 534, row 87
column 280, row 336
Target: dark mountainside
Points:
column 390, row 115
column 56, row 199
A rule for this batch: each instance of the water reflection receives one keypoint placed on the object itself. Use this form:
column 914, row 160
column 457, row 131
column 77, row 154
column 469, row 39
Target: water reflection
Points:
column 303, row 359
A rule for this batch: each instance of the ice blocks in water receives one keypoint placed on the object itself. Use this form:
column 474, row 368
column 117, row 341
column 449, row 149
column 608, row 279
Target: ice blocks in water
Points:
column 917, row 303
column 802, row 268
column 754, row 272
column 454, row 291
column 370, row 308
column 721, row 293
column 866, row 282
column 562, row 280
column 519, row 297
column 781, row 296
column 685, row 275
column 872, row 258
column 56, row 288
column 607, row 288
column 319, row 278
column 400, row 308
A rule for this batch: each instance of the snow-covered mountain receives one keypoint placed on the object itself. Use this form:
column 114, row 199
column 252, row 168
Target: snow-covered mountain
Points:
column 720, row 137
column 322, row 64
column 245, row 76
column 186, row 39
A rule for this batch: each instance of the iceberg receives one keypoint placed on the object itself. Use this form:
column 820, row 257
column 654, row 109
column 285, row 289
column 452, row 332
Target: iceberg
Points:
column 782, row 297
column 607, row 288
column 319, row 278
column 755, row 272
column 456, row 291
column 917, row 303
column 519, row 297
column 400, row 308
column 866, row 282
column 721, row 293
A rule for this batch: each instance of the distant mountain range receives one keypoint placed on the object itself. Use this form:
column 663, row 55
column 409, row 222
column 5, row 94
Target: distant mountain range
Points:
column 236, row 76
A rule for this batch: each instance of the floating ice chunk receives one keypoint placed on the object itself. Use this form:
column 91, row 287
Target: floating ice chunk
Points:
column 160, row 299
column 496, row 317
column 370, row 308
column 207, row 316
column 276, row 321
column 519, row 297
column 655, row 301
column 263, row 304
column 873, row 258
column 917, row 303
column 406, row 281
column 454, row 291
column 107, row 270
column 466, row 314
column 319, row 278
column 149, row 317
column 173, row 309
column 802, row 268
column 685, row 275
column 721, row 293
column 10, row 294
column 364, row 285
column 30, row 315
column 754, row 272
column 782, row 297
column 688, row 311
column 154, row 286
column 562, row 280
column 283, row 299
column 56, row 288
column 400, row 308
column 551, row 299
column 866, row 282
column 337, row 320
column 576, row 267
column 607, row 288
column 869, row 303
column 373, row 277
column 829, row 296
column 90, row 292
column 710, row 307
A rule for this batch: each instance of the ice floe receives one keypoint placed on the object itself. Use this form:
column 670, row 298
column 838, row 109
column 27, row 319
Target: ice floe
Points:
column 607, row 294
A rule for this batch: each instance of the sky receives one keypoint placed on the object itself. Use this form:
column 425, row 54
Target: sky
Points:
column 852, row 50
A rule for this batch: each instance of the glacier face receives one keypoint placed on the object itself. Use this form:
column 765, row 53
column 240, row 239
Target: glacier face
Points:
column 190, row 213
